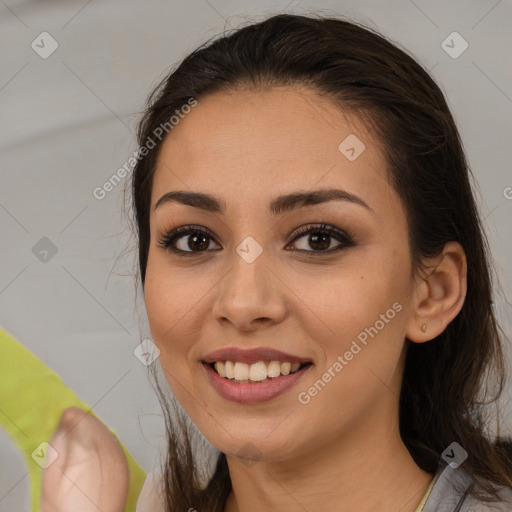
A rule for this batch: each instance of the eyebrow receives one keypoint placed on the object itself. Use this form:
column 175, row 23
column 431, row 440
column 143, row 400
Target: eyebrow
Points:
column 279, row 205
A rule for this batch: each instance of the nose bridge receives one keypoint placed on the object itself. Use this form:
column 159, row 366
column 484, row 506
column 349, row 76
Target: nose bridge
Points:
column 248, row 291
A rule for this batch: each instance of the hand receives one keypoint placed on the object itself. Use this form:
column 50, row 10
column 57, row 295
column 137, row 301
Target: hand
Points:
column 91, row 472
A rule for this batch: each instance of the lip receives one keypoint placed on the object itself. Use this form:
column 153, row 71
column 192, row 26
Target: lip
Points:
column 252, row 355
column 256, row 392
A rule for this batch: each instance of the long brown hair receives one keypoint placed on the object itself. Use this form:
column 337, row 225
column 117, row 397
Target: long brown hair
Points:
column 442, row 398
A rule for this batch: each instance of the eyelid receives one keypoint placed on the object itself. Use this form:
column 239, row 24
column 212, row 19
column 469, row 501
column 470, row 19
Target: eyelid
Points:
column 344, row 236
column 321, row 227
column 167, row 238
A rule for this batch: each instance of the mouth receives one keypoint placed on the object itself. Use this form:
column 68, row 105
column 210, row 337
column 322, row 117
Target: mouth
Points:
column 259, row 382
column 256, row 373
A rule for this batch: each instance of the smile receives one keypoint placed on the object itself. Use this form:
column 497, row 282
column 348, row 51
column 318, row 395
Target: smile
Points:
column 261, row 371
column 244, row 390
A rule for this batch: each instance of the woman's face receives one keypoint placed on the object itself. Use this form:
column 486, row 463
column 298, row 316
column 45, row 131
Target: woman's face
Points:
column 339, row 301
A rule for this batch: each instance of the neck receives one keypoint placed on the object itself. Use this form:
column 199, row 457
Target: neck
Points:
column 372, row 470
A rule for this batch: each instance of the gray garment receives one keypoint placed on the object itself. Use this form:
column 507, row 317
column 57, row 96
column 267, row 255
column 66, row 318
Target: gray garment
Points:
column 450, row 493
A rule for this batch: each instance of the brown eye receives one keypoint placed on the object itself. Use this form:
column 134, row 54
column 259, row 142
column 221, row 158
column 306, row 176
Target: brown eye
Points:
column 194, row 240
column 187, row 239
column 320, row 237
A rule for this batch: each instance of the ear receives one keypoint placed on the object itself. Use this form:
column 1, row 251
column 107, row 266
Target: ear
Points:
column 439, row 294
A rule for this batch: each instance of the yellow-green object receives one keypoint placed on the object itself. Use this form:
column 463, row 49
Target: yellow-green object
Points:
column 32, row 401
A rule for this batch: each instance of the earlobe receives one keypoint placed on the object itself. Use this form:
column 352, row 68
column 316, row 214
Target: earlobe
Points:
column 440, row 296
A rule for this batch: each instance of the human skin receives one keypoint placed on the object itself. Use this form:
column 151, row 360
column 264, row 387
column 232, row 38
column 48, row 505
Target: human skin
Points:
column 247, row 147
column 91, row 471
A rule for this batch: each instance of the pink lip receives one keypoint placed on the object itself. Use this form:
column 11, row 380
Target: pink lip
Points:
column 256, row 392
column 252, row 355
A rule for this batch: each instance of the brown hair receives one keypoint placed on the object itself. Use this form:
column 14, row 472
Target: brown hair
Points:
column 366, row 74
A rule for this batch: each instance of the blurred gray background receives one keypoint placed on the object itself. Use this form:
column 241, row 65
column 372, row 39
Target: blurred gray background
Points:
column 68, row 121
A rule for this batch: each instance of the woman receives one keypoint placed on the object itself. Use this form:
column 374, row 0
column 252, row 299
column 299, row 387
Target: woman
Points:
column 316, row 279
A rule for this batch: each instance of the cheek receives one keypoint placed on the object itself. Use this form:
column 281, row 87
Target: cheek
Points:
column 172, row 302
column 361, row 305
column 172, row 308
column 170, row 294
column 365, row 315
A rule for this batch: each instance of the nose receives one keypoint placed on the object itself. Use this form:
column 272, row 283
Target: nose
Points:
column 250, row 296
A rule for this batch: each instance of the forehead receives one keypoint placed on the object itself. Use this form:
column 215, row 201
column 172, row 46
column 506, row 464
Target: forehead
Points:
column 251, row 144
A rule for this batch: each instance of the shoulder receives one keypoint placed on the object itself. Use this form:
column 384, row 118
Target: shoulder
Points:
column 451, row 493
column 504, row 504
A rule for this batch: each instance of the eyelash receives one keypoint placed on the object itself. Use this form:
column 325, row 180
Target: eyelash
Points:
column 342, row 236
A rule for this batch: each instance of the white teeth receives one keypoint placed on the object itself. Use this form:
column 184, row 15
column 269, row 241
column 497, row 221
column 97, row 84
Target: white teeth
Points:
column 229, row 368
column 286, row 368
column 257, row 372
column 274, row 369
column 219, row 366
column 241, row 371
